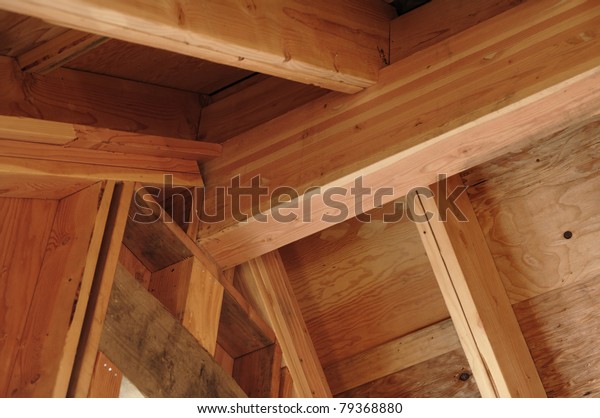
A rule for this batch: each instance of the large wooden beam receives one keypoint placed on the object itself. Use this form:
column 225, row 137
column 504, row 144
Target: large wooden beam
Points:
column 155, row 351
column 444, row 109
column 340, row 45
column 266, row 280
column 480, row 309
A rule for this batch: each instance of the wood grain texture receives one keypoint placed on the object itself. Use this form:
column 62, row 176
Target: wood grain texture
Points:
column 268, row 277
column 438, row 20
column 100, row 292
column 42, row 346
column 286, row 384
column 58, row 51
column 40, row 186
column 526, row 200
column 106, row 380
column 95, row 100
column 435, row 378
column 26, row 227
column 155, row 351
column 413, row 125
column 224, row 359
column 158, row 67
column 389, row 358
column 19, row 33
column 476, row 299
column 135, row 267
column 191, row 295
column 256, row 104
column 360, row 285
column 562, row 331
column 335, row 44
column 258, row 372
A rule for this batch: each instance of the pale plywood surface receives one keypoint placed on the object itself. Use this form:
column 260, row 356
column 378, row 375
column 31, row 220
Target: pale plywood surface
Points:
column 360, row 285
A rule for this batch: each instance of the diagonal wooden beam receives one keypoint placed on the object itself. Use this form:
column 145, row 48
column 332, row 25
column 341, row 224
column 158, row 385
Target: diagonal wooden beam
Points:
column 58, row 51
column 339, row 44
column 476, row 299
column 514, row 78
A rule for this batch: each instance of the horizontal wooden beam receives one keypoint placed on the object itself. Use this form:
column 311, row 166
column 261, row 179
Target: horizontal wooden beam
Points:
column 476, row 299
column 58, row 51
column 141, row 337
column 389, row 358
column 83, row 98
column 449, row 107
column 340, row 45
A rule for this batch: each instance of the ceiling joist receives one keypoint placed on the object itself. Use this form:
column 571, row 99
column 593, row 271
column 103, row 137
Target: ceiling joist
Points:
column 339, row 45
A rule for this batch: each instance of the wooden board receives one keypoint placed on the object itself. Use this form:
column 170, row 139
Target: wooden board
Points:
column 360, row 285
column 40, row 186
column 55, row 300
column 389, row 358
column 339, row 45
column 439, row 377
column 413, row 125
column 26, row 225
column 106, row 380
column 19, row 33
column 134, row 266
column 258, row 372
column 158, row 67
column 155, row 351
column 561, row 329
column 438, row 20
column 526, row 201
column 94, row 100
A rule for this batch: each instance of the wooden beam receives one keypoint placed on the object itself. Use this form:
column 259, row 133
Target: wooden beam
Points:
column 100, row 292
column 390, row 358
column 438, row 20
column 339, row 45
column 58, row 51
column 258, row 373
column 449, row 107
column 480, row 309
column 84, row 98
column 106, row 380
column 268, row 281
column 141, row 337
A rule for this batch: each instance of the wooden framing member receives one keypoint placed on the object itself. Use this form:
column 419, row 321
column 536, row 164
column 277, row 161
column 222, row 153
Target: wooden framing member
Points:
column 266, row 281
column 338, row 44
column 428, row 115
column 58, row 51
column 100, row 292
column 480, row 309
column 141, row 337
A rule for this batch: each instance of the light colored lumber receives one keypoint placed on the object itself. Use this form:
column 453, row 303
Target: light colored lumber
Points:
column 106, row 380
column 141, row 337
column 392, row 357
column 26, row 225
column 258, row 372
column 449, row 107
column 339, row 45
column 362, row 284
column 276, row 296
column 58, row 51
column 34, row 130
column 526, row 201
column 49, row 339
column 477, row 301
column 438, row 20
column 439, row 377
column 100, row 292
column 94, row 100
column 192, row 296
